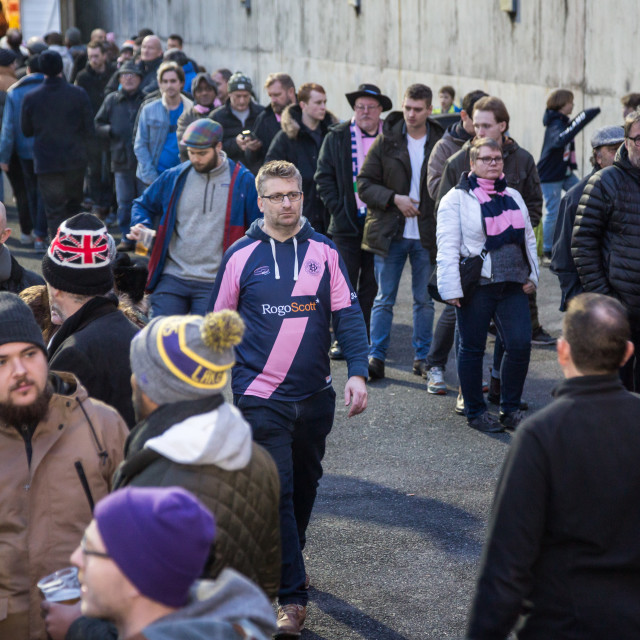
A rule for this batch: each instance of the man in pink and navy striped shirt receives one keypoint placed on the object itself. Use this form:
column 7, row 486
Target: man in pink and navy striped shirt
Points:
column 289, row 283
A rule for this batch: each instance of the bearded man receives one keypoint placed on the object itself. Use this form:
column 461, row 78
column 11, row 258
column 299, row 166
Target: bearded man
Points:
column 201, row 208
column 58, row 451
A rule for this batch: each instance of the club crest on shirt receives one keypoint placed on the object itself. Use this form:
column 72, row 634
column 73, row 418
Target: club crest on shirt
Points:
column 262, row 271
column 312, row 268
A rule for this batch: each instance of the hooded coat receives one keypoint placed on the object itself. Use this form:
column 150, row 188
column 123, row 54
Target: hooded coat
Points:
column 205, row 446
column 43, row 507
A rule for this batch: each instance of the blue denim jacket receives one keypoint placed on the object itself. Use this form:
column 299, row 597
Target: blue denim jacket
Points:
column 11, row 136
column 153, row 127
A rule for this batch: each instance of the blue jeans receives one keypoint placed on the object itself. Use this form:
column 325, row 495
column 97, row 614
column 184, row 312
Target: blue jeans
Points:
column 128, row 188
column 552, row 192
column 507, row 304
column 388, row 272
column 294, row 433
column 176, row 296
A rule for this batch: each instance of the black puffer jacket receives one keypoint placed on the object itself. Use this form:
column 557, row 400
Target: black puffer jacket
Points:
column 296, row 144
column 386, row 172
column 606, row 234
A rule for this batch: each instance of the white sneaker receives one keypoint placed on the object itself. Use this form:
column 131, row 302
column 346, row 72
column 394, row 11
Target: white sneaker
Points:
column 26, row 239
column 435, row 381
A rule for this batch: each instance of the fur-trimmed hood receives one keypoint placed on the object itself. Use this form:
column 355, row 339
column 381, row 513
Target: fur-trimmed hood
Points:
column 291, row 121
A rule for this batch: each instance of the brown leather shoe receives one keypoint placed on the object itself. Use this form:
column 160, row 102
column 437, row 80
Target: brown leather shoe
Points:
column 291, row 619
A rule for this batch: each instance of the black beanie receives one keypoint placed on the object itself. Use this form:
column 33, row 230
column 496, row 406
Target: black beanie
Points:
column 17, row 323
column 50, row 63
column 77, row 260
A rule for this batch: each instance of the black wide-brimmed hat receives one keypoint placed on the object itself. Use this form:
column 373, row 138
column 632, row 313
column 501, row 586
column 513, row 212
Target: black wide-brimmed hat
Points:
column 369, row 91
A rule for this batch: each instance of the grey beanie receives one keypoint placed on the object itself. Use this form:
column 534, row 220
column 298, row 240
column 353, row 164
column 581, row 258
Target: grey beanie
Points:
column 17, row 322
column 607, row 136
column 177, row 358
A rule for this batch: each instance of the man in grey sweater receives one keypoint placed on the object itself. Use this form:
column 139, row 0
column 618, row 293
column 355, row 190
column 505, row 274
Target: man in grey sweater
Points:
column 203, row 206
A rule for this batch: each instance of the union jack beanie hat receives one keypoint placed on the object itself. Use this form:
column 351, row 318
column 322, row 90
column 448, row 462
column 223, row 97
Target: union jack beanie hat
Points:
column 77, row 260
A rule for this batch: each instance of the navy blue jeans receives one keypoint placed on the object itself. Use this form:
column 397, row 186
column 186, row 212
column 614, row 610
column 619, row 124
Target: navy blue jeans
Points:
column 176, row 297
column 507, row 304
column 294, row 433
column 128, row 188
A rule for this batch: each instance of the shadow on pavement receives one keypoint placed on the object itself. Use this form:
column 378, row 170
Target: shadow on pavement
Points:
column 349, row 616
column 445, row 525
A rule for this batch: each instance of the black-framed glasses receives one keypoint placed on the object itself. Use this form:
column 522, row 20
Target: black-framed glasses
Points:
column 278, row 198
column 635, row 140
column 91, row 552
column 488, row 160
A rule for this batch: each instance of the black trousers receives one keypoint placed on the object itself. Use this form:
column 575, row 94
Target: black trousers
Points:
column 359, row 265
column 62, row 196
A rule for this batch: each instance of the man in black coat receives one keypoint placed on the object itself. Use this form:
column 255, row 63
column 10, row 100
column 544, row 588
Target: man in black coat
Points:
column 605, row 245
column 94, row 339
column 59, row 117
column 282, row 93
column 238, row 114
column 341, row 157
column 93, row 79
column 304, row 127
column 115, row 122
column 563, row 544
column 605, row 143
column 13, row 277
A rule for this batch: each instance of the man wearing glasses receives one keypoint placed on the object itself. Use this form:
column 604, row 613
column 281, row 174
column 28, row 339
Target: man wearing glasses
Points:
column 201, row 208
column 289, row 283
column 606, row 236
column 341, row 157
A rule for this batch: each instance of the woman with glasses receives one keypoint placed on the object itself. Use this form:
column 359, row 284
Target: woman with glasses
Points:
column 558, row 158
column 484, row 217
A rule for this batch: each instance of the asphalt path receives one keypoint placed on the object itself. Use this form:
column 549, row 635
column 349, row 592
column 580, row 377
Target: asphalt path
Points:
column 399, row 523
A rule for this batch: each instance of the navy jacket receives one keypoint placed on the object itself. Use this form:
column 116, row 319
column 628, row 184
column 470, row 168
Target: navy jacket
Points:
column 561, row 261
column 59, row 117
column 558, row 148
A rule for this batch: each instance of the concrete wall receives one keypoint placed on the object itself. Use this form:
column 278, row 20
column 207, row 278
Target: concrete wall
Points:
column 579, row 44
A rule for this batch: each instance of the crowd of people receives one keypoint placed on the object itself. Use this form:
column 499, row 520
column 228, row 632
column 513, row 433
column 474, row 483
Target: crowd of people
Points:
column 193, row 238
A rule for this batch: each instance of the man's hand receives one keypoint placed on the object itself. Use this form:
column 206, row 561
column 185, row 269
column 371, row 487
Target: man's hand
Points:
column 454, row 301
column 355, row 392
column 408, row 206
column 58, row 618
column 528, row 287
column 4, row 166
column 140, row 232
column 242, row 142
column 253, row 144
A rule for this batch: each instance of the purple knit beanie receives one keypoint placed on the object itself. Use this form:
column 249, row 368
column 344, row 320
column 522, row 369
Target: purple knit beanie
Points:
column 160, row 539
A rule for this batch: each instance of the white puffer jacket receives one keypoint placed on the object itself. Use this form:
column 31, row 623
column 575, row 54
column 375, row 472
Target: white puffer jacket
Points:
column 460, row 233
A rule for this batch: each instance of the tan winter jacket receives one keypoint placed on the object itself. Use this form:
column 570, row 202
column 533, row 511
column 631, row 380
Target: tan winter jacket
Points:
column 43, row 508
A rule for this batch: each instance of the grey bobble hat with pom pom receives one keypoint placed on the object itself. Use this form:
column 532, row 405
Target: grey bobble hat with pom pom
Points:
column 176, row 358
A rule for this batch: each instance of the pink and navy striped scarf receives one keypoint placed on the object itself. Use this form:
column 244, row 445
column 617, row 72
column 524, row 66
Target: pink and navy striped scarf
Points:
column 503, row 219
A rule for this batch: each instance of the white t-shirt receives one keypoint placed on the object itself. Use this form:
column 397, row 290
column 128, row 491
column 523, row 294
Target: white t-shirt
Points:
column 416, row 154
